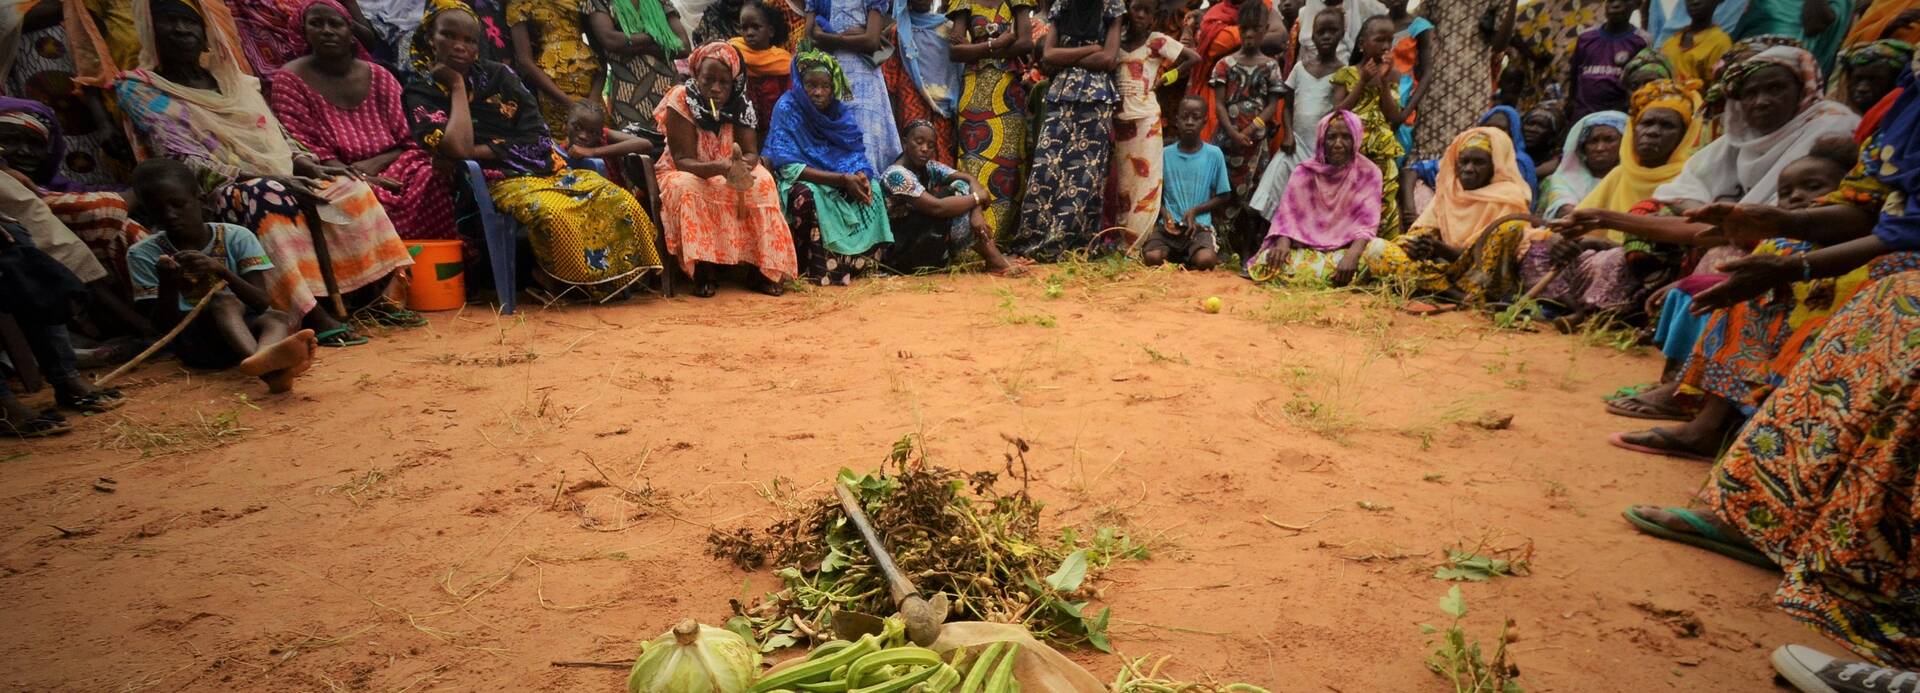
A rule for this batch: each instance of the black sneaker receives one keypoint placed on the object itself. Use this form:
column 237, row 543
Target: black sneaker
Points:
column 1814, row 672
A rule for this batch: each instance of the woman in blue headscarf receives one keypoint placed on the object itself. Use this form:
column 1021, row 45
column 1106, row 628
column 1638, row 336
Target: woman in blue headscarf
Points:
column 832, row 194
column 1514, row 132
column 853, row 32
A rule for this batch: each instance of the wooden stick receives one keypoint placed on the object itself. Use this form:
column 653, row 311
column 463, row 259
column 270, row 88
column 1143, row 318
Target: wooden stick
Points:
column 595, row 665
column 324, row 257
column 1534, row 292
column 218, row 286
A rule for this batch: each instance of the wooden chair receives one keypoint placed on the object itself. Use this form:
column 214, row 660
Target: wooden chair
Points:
column 639, row 172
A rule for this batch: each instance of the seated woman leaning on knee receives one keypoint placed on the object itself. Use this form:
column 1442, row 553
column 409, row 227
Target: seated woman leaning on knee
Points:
column 588, row 234
column 719, row 205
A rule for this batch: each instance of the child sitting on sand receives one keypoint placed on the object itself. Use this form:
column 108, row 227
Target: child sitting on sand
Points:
column 176, row 266
column 1196, row 187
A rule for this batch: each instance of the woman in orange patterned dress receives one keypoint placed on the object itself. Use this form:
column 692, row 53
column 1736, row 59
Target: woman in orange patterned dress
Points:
column 719, row 205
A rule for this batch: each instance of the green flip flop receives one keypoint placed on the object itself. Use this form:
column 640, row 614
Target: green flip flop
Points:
column 340, row 337
column 1705, row 536
column 390, row 315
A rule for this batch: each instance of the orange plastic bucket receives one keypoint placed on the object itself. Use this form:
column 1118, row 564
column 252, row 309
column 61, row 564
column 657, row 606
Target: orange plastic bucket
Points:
column 439, row 277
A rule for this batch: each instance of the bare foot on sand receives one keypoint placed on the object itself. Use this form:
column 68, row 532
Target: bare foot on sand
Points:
column 304, row 345
column 277, row 356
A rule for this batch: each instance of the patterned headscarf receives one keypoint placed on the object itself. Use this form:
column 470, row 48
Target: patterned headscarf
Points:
column 826, row 139
column 732, row 107
column 299, row 28
column 420, row 53
column 1632, row 181
column 39, row 118
column 26, row 119
column 1682, row 96
column 1747, row 163
column 1892, row 53
column 1477, row 141
column 817, row 61
column 1796, row 61
column 1741, row 51
column 1647, row 60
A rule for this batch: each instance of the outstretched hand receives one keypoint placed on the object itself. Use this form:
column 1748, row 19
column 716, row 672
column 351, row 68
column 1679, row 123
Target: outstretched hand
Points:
column 1733, row 221
column 1747, row 278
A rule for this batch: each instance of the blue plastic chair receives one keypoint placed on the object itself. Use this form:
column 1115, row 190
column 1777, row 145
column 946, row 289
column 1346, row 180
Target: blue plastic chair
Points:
column 503, row 233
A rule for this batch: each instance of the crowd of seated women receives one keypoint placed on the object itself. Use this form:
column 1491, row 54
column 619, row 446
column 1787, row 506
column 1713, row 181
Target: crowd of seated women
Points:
column 1742, row 186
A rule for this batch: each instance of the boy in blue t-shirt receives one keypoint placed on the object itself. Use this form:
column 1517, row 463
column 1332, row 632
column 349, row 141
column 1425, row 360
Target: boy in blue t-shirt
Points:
column 177, row 266
column 1196, row 186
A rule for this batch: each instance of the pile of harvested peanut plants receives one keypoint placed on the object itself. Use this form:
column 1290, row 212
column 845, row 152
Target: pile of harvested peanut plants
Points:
column 950, row 532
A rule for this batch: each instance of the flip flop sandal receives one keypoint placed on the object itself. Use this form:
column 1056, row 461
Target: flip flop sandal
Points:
column 1619, row 440
column 1626, row 406
column 392, row 316
column 1424, row 308
column 340, row 337
column 1260, row 272
column 1705, row 536
column 98, row 402
column 36, row 427
column 1011, row 271
column 705, row 289
column 1631, row 391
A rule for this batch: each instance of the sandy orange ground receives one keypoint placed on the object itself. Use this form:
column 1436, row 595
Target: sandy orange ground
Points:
column 414, row 516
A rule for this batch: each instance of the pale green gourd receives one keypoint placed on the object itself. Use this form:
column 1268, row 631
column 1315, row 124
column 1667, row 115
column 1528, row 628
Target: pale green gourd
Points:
column 693, row 658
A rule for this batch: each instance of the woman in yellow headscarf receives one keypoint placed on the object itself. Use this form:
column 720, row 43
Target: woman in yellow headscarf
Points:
column 1598, row 275
column 1462, row 248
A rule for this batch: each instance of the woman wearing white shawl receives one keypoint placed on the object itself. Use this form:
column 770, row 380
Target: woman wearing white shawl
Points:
column 192, row 99
column 1775, row 113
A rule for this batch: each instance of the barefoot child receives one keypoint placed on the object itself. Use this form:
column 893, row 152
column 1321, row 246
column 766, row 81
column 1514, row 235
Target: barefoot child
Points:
column 1370, row 89
column 1249, row 85
column 1196, row 187
column 173, row 268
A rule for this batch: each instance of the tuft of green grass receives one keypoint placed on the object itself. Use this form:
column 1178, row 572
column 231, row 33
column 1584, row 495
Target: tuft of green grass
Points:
column 1155, row 356
column 1603, row 331
column 1011, row 313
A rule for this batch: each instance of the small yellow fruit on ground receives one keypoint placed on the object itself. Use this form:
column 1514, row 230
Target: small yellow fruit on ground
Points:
column 1211, row 305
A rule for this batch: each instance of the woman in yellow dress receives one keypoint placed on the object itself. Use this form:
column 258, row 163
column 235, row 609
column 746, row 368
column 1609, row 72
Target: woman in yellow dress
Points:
column 989, row 39
column 1462, row 249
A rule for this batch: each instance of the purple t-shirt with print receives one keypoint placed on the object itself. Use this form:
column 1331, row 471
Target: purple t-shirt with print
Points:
column 1598, row 59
